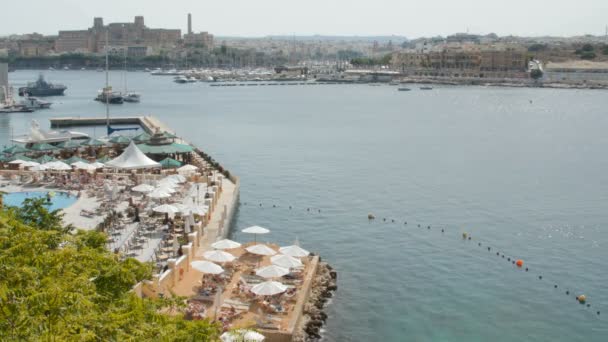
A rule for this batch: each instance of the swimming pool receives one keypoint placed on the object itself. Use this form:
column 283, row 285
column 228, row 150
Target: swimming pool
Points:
column 59, row 199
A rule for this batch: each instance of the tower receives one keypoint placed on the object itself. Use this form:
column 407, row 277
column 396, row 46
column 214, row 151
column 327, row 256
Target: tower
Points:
column 139, row 21
column 98, row 23
column 189, row 23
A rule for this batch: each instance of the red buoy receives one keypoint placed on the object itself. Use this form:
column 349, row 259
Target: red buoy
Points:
column 519, row 263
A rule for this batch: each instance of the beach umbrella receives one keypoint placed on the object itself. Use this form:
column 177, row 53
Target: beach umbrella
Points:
column 94, row 142
column 170, row 163
column 159, row 193
column 104, row 159
column 272, row 271
column 261, row 250
column 198, row 209
column 268, row 288
column 285, row 261
column 69, row 144
column 45, row 159
column 15, row 149
column 74, row 159
column 177, row 178
column 225, row 244
column 38, row 168
column 166, row 209
column 187, row 168
column 19, row 157
column 242, row 335
column 207, row 267
column 294, row 251
column 98, row 165
column 83, row 166
column 120, row 139
column 42, row 147
column 255, row 230
column 18, row 161
column 57, row 166
column 219, row 256
column 29, row 164
column 143, row 188
column 143, row 137
column 167, row 189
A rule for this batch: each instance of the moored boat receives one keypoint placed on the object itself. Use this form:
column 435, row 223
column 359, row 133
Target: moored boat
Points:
column 42, row 88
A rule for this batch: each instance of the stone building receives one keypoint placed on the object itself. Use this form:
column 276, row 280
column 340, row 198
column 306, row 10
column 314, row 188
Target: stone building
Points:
column 93, row 40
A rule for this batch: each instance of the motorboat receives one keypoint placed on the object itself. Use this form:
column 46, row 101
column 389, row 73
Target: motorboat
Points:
column 38, row 135
column 426, row 88
column 131, row 97
column 181, row 79
column 106, row 95
column 404, row 89
column 35, row 103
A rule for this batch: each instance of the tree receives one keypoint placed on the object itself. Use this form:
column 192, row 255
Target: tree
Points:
column 536, row 74
column 77, row 290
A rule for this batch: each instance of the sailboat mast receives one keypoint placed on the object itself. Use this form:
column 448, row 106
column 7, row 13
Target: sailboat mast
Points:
column 106, row 89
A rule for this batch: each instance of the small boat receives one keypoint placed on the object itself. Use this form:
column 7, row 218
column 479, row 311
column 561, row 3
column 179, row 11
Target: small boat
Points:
column 404, row 89
column 34, row 103
column 131, row 97
column 66, row 68
column 192, row 79
column 49, row 137
column 426, row 88
column 181, row 79
column 106, row 95
column 16, row 108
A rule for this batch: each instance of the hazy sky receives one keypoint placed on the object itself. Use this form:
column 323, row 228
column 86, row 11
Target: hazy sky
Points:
column 411, row 18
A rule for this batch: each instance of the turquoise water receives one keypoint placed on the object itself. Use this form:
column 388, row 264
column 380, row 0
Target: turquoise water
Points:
column 59, row 200
column 528, row 179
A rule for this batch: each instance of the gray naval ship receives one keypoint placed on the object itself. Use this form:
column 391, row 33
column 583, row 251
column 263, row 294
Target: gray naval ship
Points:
column 42, row 88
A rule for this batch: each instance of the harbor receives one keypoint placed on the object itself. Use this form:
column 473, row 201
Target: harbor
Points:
column 170, row 216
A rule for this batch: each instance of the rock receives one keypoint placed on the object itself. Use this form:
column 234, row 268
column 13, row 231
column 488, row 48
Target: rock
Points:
column 333, row 275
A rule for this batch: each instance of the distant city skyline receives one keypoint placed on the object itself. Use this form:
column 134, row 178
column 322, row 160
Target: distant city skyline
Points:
column 245, row 18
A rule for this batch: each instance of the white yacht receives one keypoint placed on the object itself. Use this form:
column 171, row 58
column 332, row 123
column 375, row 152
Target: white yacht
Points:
column 38, row 135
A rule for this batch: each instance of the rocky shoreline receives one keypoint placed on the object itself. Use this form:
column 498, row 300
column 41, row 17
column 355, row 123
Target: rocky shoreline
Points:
column 513, row 83
column 313, row 318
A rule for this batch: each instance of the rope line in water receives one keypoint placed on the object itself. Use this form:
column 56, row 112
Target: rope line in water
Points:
column 581, row 299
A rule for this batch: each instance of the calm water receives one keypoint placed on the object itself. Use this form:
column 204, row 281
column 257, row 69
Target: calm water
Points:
column 529, row 179
column 59, row 200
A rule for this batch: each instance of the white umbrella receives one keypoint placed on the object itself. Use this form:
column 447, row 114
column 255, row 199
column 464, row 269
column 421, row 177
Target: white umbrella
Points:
column 166, row 208
column 285, row 261
column 58, row 166
column 29, row 164
column 268, row 288
column 166, row 189
column 225, row 244
column 38, row 168
column 17, row 161
column 187, row 168
column 242, row 335
column 272, row 271
column 83, row 166
column 199, row 209
column 219, row 256
column 261, row 250
column 294, row 251
column 143, row 188
column 177, row 178
column 159, row 193
column 255, row 230
column 207, row 267
column 98, row 165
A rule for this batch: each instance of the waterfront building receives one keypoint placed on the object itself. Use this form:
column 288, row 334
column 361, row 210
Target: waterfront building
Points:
column 201, row 39
column 93, row 40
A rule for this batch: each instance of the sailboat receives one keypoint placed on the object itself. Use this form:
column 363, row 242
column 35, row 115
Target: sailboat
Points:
column 127, row 95
column 106, row 95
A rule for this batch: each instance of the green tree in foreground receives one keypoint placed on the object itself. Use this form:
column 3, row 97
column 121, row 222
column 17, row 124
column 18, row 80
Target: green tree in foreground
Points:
column 57, row 286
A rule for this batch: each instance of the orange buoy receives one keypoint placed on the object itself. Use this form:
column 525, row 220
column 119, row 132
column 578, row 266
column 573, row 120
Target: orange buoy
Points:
column 582, row 299
column 519, row 263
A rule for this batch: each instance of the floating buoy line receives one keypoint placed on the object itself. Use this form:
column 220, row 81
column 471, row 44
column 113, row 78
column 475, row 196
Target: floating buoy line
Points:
column 519, row 263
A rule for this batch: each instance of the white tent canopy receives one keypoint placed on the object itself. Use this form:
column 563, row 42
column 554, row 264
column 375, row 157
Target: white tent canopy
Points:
column 272, row 271
column 219, row 256
column 285, row 261
column 132, row 158
column 268, row 288
column 294, row 251
column 260, row 250
column 225, row 244
column 206, row 267
column 143, row 188
column 166, row 208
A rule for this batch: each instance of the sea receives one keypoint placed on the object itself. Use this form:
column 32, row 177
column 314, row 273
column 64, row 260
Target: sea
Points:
column 523, row 172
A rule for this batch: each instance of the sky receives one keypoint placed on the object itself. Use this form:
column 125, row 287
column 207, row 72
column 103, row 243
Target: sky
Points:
column 251, row 18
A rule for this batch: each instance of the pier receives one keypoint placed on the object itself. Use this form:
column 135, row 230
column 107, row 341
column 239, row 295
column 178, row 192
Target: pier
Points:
column 148, row 123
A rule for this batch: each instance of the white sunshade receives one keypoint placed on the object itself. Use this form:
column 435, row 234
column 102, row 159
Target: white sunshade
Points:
column 219, row 256
column 268, row 288
column 225, row 244
column 187, row 168
column 29, row 164
column 166, row 189
column 285, row 261
column 57, row 166
column 261, row 250
column 159, row 193
column 272, row 271
column 17, row 161
column 166, row 208
column 256, row 230
column 207, row 267
column 178, row 178
column 38, row 168
column 294, row 251
column 143, row 188
column 98, row 165
column 83, row 166
column 132, row 158
column 242, row 335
